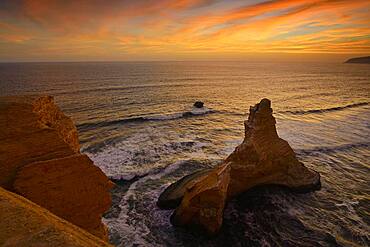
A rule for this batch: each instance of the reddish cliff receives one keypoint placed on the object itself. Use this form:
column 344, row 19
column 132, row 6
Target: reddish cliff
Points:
column 72, row 188
column 40, row 160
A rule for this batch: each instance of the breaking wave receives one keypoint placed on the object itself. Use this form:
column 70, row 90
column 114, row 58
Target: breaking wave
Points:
column 316, row 111
column 164, row 117
column 332, row 149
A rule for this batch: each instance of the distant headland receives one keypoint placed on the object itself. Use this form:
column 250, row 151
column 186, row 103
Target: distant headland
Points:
column 359, row 60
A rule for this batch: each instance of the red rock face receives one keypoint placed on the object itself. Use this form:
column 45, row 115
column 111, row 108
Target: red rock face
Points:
column 261, row 159
column 40, row 159
column 72, row 188
column 27, row 137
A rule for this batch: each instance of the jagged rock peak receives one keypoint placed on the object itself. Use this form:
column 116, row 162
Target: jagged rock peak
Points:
column 260, row 120
column 263, row 158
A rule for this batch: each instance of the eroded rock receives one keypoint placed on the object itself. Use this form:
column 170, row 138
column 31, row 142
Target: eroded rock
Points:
column 204, row 201
column 72, row 188
column 263, row 158
column 198, row 104
column 24, row 223
column 173, row 194
column 40, row 159
column 32, row 128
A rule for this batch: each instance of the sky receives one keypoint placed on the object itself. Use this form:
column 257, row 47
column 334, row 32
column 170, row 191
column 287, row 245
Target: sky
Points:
column 131, row 30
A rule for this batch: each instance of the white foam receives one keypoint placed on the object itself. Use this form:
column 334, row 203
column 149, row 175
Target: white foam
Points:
column 200, row 111
column 147, row 151
column 348, row 204
column 137, row 232
column 164, row 117
column 170, row 116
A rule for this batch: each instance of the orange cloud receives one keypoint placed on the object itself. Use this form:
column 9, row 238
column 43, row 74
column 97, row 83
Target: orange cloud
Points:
column 197, row 27
column 69, row 15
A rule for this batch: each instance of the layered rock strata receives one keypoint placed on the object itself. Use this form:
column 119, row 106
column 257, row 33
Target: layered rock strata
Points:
column 40, row 160
column 24, row 223
column 174, row 193
column 263, row 158
column 204, row 201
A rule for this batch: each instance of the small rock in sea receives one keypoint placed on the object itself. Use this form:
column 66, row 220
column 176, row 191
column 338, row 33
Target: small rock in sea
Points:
column 198, row 104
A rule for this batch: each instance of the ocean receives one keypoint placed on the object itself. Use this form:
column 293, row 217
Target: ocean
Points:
column 136, row 121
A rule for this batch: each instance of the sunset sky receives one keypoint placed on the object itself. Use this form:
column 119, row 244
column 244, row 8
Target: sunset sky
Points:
column 56, row 30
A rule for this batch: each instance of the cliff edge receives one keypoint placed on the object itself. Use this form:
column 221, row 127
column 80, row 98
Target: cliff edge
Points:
column 40, row 160
column 23, row 223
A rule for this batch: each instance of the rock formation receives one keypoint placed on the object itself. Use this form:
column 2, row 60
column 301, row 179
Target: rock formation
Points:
column 198, row 104
column 32, row 129
column 204, row 201
column 72, row 188
column 362, row 60
column 40, row 160
column 264, row 158
column 261, row 159
column 174, row 193
column 23, row 223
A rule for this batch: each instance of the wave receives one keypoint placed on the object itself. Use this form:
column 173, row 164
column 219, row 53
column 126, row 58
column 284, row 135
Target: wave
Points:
column 317, row 111
column 194, row 112
column 332, row 149
column 134, row 87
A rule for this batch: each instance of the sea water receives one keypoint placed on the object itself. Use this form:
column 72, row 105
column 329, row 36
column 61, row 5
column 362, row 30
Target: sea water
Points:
column 137, row 122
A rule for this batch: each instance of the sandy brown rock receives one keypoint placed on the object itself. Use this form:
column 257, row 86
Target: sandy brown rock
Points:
column 173, row 194
column 51, row 116
column 203, row 202
column 40, row 159
column 72, row 188
column 263, row 158
column 32, row 128
column 23, row 223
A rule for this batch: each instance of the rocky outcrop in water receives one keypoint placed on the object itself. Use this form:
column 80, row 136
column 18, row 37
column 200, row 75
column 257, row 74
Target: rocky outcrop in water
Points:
column 23, row 223
column 363, row 60
column 198, row 104
column 174, row 193
column 263, row 158
column 40, row 160
column 204, row 201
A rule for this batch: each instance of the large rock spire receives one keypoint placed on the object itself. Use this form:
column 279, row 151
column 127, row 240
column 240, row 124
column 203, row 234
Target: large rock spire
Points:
column 263, row 158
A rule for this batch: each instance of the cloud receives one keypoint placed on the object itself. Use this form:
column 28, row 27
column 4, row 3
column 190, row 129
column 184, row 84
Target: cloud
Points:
column 67, row 13
column 155, row 27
